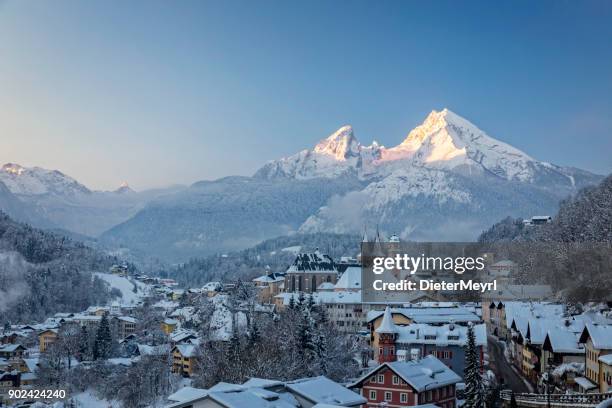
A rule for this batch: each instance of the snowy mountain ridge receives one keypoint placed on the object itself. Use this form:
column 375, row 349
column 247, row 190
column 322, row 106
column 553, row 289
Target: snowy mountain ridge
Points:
column 37, row 181
column 443, row 141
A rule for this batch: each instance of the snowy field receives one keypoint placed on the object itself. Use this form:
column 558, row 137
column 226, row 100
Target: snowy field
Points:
column 125, row 286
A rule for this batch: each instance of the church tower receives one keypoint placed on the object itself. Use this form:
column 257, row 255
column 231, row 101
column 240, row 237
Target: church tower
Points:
column 387, row 335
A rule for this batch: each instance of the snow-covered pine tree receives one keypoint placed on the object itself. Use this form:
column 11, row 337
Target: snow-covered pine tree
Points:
column 83, row 344
column 310, row 302
column 306, row 336
column 474, row 396
column 103, row 342
column 292, row 302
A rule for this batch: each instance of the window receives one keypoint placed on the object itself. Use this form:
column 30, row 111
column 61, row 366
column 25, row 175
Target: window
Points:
column 381, row 379
column 395, row 380
column 388, row 396
column 372, row 394
column 403, row 397
column 428, row 395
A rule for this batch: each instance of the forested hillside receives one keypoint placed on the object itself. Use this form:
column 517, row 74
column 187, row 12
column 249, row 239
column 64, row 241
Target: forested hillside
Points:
column 573, row 253
column 274, row 254
column 585, row 217
column 42, row 273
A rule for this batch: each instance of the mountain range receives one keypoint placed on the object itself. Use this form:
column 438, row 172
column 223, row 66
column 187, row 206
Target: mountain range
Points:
column 447, row 180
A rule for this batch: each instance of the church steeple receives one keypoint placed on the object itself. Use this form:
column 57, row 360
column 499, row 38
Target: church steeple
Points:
column 387, row 335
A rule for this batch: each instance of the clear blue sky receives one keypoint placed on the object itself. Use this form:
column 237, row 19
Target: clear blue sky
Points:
column 177, row 91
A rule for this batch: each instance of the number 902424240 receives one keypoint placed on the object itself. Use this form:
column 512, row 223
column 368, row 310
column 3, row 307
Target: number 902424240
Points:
column 37, row 394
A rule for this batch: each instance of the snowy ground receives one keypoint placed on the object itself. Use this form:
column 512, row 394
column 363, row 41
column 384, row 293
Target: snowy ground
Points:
column 125, row 286
column 88, row 400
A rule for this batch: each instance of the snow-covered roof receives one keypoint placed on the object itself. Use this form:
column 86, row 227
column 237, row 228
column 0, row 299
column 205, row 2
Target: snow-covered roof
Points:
column 253, row 398
column 261, row 383
column 448, row 334
column 182, row 334
column 387, row 326
column 128, row 319
column 601, row 336
column 187, row 394
column 350, row 279
column 426, row 373
column 186, row 350
column 323, row 390
column 224, row 386
column 9, row 348
column 607, row 359
column 522, row 312
column 432, row 315
column 270, row 278
column 313, row 262
column 166, row 304
column 585, row 383
column 146, row 350
column 326, row 286
column 31, row 363
column 562, row 341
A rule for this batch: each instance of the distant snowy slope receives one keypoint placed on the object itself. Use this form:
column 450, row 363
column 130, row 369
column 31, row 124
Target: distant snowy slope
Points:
column 125, row 286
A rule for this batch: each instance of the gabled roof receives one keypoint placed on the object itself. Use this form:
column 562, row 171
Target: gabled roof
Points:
column 562, row 341
column 11, row 348
column 424, row 374
column 323, row 390
column 313, row 262
column 186, row 350
column 601, row 336
column 350, row 279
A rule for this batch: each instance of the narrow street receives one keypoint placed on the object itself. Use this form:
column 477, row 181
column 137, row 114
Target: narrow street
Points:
column 503, row 370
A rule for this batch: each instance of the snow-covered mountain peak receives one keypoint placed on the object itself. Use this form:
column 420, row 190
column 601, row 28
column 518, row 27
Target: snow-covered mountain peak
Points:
column 124, row 187
column 340, row 145
column 37, row 181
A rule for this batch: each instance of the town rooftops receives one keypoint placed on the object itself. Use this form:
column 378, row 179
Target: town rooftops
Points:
column 258, row 393
column 424, row 374
column 323, row 390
